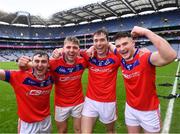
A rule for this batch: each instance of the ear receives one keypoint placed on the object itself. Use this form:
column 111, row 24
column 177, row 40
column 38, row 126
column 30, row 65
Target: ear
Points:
column 133, row 42
column 79, row 53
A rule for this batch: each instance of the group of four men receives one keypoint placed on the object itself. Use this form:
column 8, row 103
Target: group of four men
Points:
column 33, row 86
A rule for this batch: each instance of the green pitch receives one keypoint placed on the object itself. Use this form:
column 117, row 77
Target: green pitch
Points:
column 8, row 116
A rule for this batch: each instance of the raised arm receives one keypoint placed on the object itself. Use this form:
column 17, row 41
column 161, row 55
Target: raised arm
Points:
column 57, row 53
column 164, row 54
column 24, row 63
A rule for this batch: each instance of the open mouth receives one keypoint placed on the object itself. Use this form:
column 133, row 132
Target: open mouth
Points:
column 100, row 50
column 71, row 56
column 123, row 52
column 39, row 70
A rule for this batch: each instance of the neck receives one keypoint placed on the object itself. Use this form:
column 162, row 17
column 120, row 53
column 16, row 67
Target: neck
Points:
column 68, row 61
column 103, row 55
column 41, row 77
column 134, row 51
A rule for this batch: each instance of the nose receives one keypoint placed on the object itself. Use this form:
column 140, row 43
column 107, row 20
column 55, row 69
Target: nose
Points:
column 71, row 49
column 98, row 43
column 122, row 48
column 40, row 64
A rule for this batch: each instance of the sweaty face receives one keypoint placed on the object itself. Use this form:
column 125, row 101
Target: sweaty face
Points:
column 71, row 51
column 40, row 65
column 100, row 44
column 125, row 46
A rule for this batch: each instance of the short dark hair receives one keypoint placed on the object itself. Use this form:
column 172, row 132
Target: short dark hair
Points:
column 72, row 39
column 121, row 35
column 102, row 30
column 40, row 53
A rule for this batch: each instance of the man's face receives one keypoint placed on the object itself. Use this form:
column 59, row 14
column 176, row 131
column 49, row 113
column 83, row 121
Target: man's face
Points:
column 100, row 43
column 40, row 65
column 71, row 51
column 125, row 46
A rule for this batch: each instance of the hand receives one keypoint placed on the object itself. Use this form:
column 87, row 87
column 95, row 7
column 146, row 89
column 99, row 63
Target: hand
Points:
column 23, row 62
column 57, row 53
column 90, row 51
column 111, row 47
column 139, row 31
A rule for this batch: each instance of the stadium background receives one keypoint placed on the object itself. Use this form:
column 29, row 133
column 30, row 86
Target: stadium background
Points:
column 22, row 33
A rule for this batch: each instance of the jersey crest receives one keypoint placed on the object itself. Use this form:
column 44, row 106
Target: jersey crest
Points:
column 68, row 70
column 100, row 63
column 31, row 82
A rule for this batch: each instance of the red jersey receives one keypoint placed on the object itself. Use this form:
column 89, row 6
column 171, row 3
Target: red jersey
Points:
column 102, row 76
column 32, row 95
column 139, row 80
column 68, row 86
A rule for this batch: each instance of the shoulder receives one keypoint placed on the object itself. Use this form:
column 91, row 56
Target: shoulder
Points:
column 55, row 61
column 144, row 53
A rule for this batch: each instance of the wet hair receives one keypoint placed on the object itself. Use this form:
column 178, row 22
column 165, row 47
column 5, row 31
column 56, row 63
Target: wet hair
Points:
column 121, row 35
column 72, row 39
column 40, row 53
column 100, row 31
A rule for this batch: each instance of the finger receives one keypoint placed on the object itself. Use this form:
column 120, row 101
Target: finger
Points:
column 92, row 54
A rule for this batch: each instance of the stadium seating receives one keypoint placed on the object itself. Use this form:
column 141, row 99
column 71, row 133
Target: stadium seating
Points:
column 167, row 24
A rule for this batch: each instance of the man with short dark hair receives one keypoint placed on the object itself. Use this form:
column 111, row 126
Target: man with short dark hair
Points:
column 32, row 89
column 100, row 98
column 138, row 70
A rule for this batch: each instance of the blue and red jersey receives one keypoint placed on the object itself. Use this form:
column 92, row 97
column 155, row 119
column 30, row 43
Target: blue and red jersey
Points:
column 68, row 86
column 102, row 76
column 32, row 95
column 139, row 79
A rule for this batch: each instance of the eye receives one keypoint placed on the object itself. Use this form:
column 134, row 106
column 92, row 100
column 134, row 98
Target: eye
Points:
column 36, row 61
column 75, row 47
column 44, row 61
column 68, row 47
column 117, row 46
column 102, row 39
column 95, row 40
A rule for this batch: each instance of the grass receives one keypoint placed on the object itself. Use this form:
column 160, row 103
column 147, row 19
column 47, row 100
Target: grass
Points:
column 8, row 116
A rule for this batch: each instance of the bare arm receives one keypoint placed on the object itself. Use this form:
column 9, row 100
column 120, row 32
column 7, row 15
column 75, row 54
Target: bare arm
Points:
column 164, row 54
column 111, row 47
column 2, row 74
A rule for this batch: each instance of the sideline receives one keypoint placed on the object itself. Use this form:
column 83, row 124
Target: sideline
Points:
column 167, row 120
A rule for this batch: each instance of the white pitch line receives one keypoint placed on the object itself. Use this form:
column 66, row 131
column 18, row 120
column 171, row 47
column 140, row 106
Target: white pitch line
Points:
column 167, row 120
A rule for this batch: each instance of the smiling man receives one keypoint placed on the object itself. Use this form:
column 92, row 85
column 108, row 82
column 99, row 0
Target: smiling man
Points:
column 67, row 70
column 100, row 101
column 69, row 98
column 142, row 109
column 32, row 89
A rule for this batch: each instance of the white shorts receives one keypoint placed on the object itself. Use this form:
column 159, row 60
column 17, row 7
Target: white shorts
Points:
column 43, row 126
column 106, row 111
column 62, row 113
column 148, row 120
